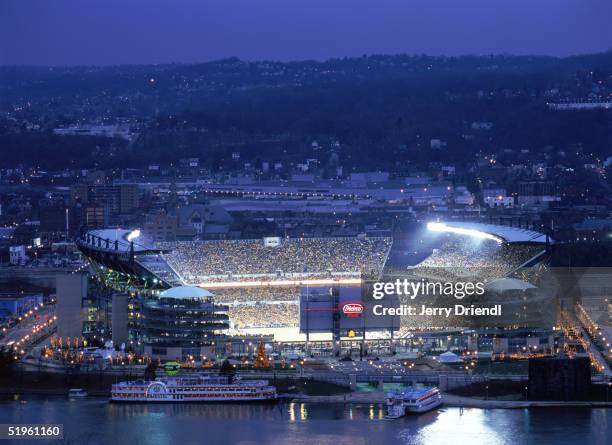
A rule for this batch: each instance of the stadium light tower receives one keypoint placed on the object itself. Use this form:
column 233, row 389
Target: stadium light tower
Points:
column 441, row 227
column 133, row 235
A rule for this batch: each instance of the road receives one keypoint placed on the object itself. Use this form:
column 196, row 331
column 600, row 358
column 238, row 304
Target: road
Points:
column 30, row 328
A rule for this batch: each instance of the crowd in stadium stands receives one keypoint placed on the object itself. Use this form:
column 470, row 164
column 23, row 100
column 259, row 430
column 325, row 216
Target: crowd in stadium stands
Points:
column 256, row 294
column 269, row 315
column 197, row 261
column 460, row 258
column 261, row 306
column 456, row 258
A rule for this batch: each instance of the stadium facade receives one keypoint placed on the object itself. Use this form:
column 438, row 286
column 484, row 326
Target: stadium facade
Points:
column 182, row 323
column 135, row 288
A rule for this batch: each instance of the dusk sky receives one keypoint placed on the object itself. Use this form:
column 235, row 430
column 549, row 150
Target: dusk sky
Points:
column 60, row 32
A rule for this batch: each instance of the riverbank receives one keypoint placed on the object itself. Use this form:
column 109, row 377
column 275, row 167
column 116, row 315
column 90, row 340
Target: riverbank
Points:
column 376, row 397
column 53, row 385
column 449, row 400
column 9, row 392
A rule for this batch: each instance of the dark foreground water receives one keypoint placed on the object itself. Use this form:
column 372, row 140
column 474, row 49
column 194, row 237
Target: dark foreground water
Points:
column 94, row 421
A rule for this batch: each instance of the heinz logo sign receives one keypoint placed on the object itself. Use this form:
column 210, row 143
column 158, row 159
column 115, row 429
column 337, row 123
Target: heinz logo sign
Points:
column 352, row 309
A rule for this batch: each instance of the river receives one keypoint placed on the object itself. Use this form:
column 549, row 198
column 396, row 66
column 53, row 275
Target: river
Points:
column 94, row 421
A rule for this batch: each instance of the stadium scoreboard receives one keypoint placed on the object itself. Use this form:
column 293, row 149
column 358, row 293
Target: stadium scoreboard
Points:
column 343, row 311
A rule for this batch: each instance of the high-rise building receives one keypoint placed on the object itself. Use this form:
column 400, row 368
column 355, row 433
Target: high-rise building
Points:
column 161, row 227
column 121, row 198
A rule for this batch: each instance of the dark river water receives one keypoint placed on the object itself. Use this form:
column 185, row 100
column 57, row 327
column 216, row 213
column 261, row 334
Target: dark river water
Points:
column 94, row 421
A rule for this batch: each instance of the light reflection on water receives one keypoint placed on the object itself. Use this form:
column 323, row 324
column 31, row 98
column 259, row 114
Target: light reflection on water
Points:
column 94, row 421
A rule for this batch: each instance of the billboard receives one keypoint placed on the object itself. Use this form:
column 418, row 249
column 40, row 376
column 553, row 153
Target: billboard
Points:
column 272, row 241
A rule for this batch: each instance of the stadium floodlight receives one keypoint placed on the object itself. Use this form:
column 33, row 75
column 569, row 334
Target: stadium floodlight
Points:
column 441, row 227
column 133, row 235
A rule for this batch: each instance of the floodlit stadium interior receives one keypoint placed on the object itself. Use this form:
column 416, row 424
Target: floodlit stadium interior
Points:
column 258, row 282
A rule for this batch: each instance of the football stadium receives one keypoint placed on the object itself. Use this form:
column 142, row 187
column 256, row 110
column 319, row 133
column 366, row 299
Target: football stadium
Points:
column 259, row 282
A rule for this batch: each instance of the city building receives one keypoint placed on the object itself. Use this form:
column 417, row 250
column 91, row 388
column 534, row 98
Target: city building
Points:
column 14, row 304
column 161, row 227
column 122, row 198
column 17, row 255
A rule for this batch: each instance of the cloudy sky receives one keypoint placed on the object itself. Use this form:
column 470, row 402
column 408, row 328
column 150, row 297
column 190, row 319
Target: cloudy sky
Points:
column 103, row 32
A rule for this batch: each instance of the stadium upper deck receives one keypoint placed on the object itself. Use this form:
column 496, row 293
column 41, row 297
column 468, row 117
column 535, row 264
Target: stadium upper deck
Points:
column 506, row 234
column 249, row 260
column 118, row 240
column 230, row 263
column 126, row 252
column 450, row 251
